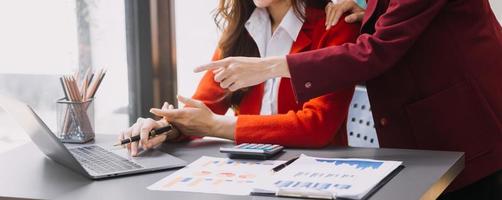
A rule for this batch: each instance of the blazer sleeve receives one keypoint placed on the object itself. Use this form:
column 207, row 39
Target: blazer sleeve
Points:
column 210, row 92
column 316, row 124
column 370, row 56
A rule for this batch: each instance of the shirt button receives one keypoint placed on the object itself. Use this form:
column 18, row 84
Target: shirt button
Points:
column 384, row 121
column 308, row 84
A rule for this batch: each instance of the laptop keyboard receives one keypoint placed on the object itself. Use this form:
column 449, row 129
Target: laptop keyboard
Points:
column 102, row 161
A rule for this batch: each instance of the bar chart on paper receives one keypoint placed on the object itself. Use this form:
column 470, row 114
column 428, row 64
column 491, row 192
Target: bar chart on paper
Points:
column 347, row 178
column 339, row 174
column 217, row 175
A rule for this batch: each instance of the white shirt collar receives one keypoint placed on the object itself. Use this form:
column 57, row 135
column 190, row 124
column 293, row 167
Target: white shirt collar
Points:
column 292, row 24
column 260, row 19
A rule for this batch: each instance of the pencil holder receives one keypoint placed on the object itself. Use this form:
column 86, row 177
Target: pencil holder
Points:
column 75, row 121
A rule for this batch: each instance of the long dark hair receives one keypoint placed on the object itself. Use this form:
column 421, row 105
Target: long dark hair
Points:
column 231, row 16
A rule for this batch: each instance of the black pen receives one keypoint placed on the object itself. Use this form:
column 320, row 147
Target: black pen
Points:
column 281, row 166
column 151, row 134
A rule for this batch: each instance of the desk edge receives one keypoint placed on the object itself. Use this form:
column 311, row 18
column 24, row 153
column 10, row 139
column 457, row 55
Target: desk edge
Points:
column 444, row 181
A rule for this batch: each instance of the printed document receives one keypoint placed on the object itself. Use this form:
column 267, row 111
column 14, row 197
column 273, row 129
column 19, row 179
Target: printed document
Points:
column 218, row 176
column 327, row 178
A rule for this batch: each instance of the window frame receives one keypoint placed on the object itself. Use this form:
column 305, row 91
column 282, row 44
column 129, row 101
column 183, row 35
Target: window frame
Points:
column 151, row 55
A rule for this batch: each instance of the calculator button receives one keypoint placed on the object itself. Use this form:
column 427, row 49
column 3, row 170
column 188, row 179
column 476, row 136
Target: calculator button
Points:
column 269, row 147
column 276, row 148
column 252, row 146
column 241, row 145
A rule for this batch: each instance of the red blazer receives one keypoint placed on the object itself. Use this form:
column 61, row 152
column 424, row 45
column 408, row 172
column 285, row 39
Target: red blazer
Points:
column 314, row 123
column 433, row 69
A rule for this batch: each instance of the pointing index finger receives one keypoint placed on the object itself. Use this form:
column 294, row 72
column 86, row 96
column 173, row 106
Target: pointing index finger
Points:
column 212, row 65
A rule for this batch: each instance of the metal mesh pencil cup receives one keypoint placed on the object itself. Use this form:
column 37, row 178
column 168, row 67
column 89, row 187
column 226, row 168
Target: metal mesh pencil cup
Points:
column 75, row 121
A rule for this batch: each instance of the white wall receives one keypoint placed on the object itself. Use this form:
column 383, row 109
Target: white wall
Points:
column 196, row 40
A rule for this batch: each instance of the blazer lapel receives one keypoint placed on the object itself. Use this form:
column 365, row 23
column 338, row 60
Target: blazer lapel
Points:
column 302, row 42
column 370, row 9
column 251, row 103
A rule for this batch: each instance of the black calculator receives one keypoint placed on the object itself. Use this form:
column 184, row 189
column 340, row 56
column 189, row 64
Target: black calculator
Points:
column 252, row 150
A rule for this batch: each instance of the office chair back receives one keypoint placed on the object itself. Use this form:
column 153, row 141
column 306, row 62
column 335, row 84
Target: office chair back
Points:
column 360, row 126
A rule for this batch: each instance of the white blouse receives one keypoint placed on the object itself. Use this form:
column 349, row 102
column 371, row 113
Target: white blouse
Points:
column 278, row 43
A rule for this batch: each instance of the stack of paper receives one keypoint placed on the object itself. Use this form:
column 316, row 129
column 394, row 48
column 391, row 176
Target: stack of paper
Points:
column 329, row 178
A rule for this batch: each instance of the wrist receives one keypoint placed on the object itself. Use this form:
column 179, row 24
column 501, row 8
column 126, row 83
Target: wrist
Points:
column 223, row 126
column 278, row 67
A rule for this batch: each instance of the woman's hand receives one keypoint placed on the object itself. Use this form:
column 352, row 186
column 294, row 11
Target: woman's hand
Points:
column 142, row 127
column 198, row 120
column 239, row 72
column 335, row 11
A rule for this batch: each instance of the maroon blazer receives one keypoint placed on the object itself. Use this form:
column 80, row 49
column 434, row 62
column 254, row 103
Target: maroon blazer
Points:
column 433, row 69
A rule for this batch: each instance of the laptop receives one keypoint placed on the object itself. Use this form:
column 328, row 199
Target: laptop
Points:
column 91, row 160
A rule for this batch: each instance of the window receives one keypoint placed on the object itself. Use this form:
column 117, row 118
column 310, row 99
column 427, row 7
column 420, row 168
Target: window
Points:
column 196, row 40
column 43, row 39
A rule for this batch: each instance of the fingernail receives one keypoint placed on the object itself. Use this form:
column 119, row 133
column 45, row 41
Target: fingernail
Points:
column 198, row 69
